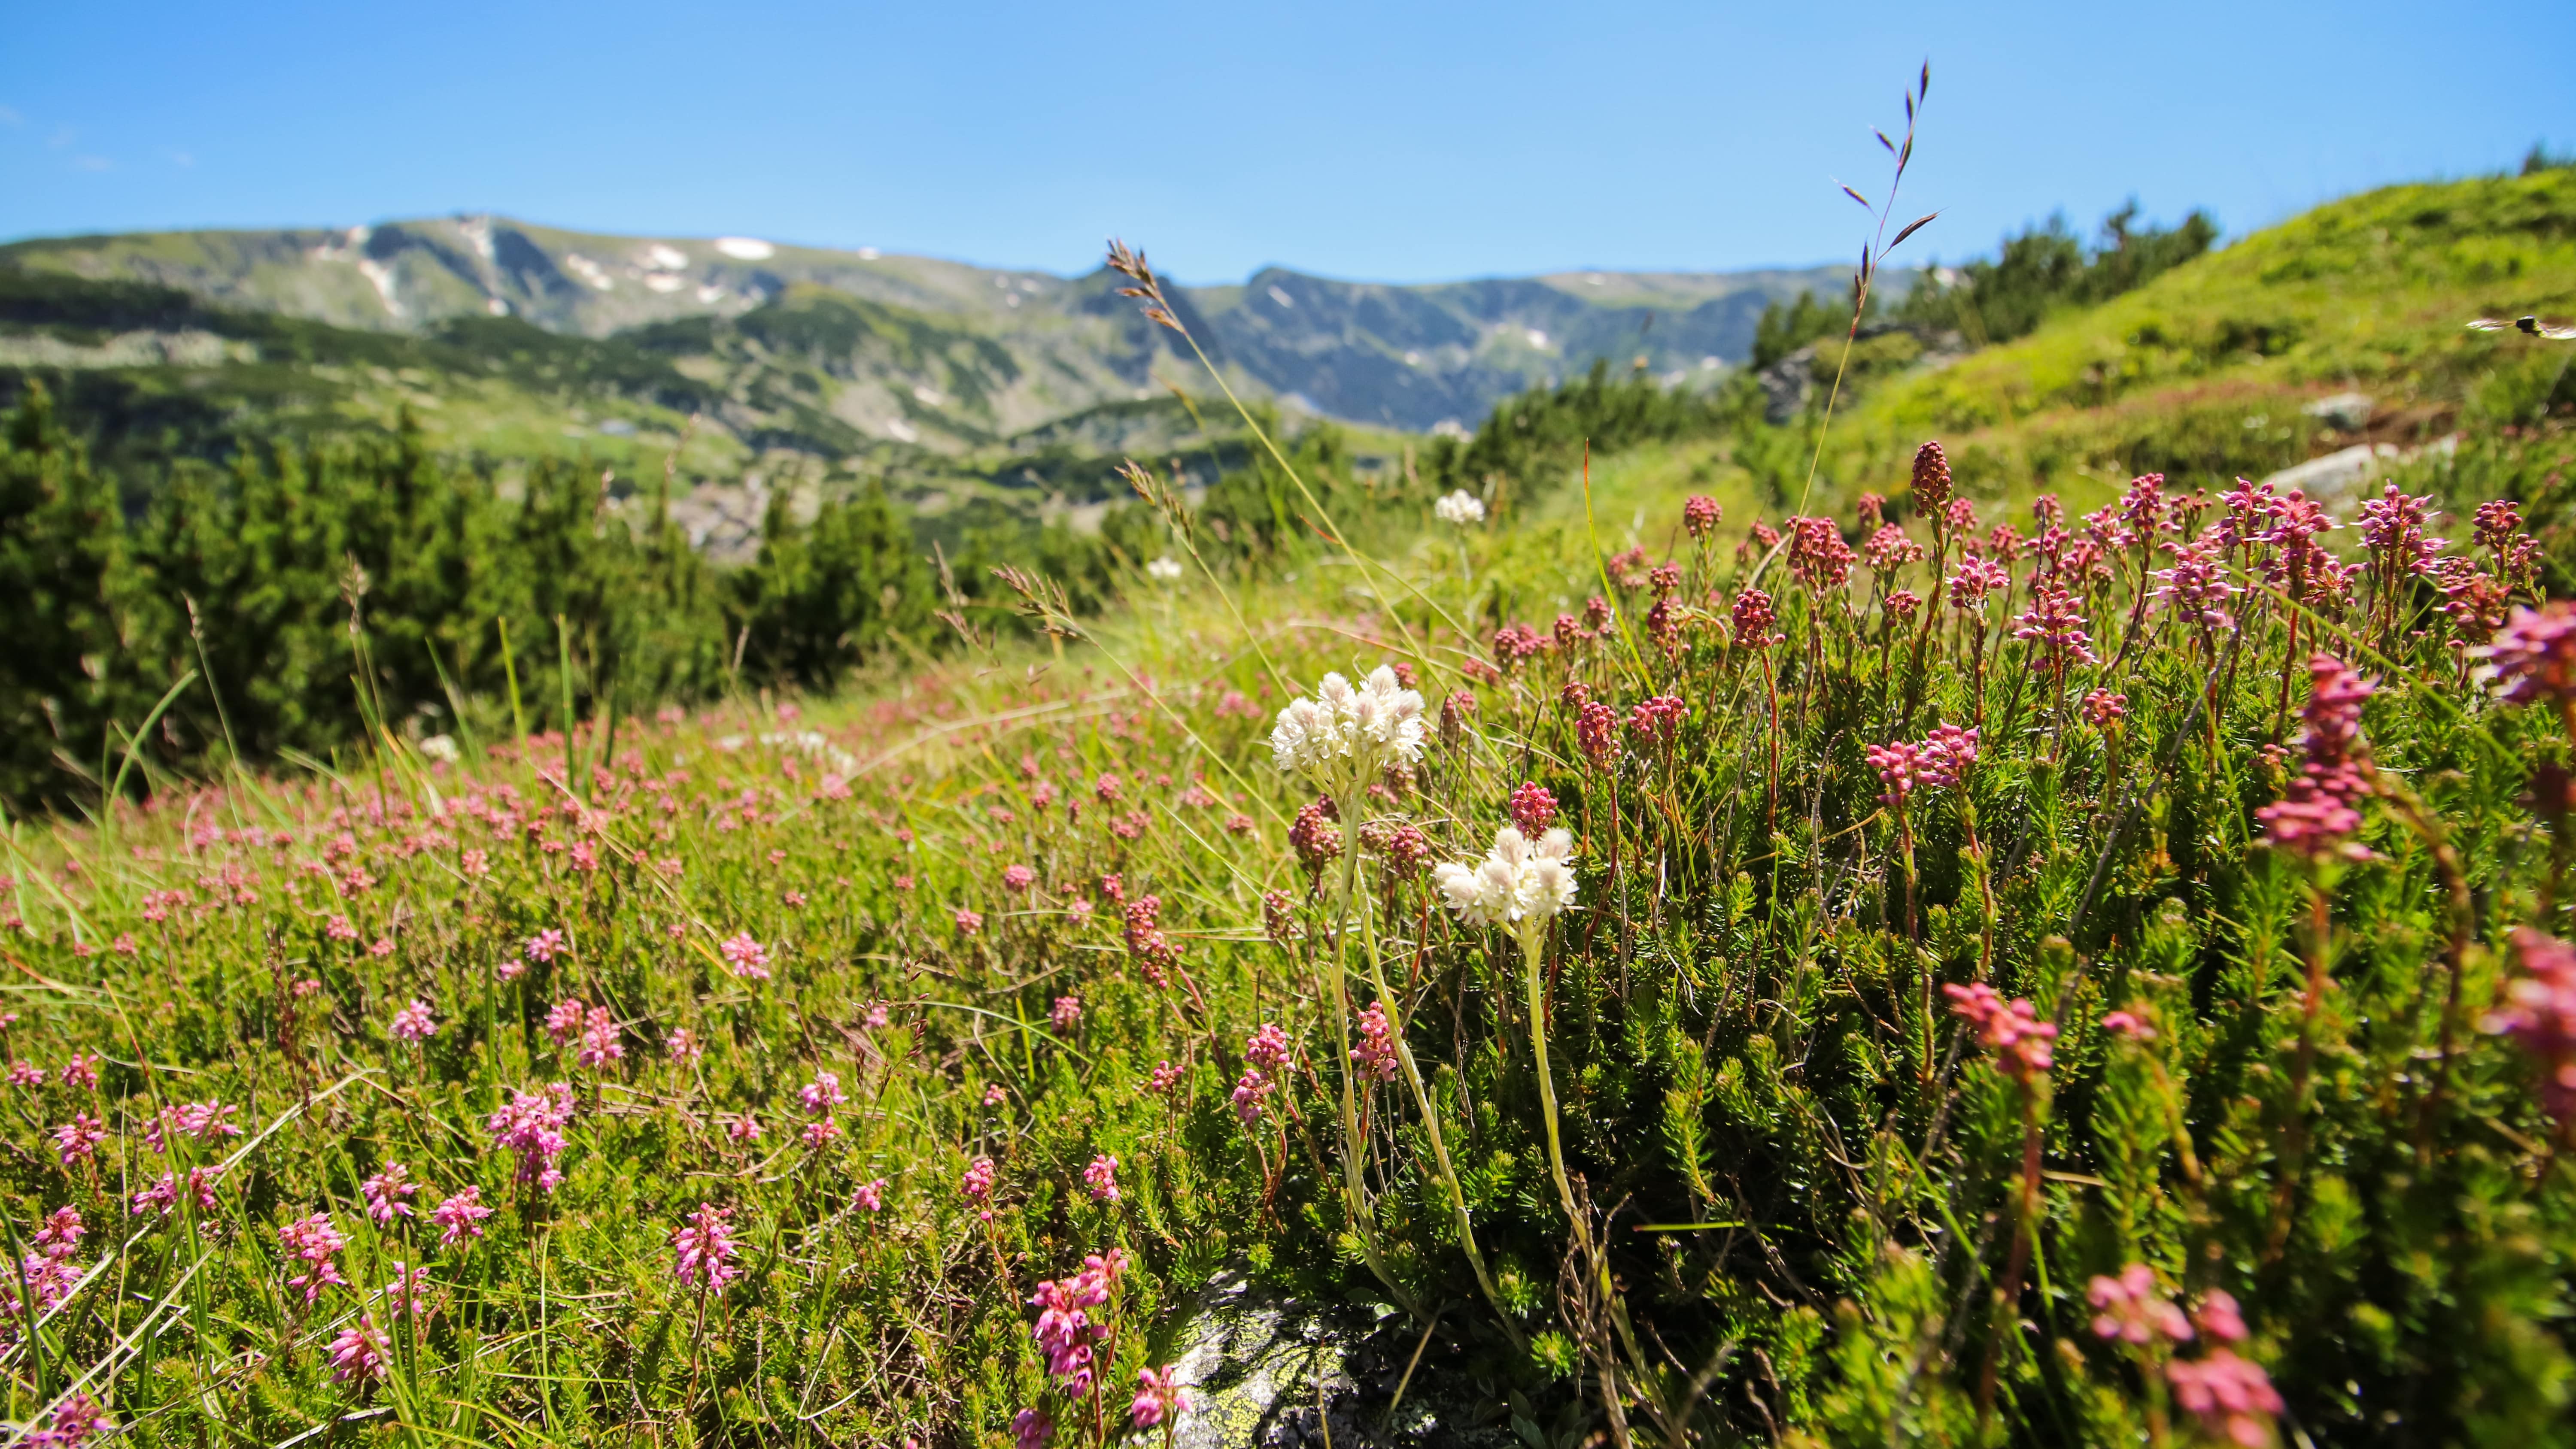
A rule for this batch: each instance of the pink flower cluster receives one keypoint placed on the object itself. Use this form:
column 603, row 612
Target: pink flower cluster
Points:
column 460, row 1217
column 1753, row 616
column 1597, row 732
column 748, row 958
column 1940, row 759
column 977, row 1184
column 1265, row 1059
column 1155, row 952
column 1159, row 1395
column 199, row 1121
column 2054, row 625
column 414, row 1023
column 2231, row 1396
column 1375, row 1055
column 2539, row 1013
column 1533, row 809
column 1314, row 836
column 1818, row 557
column 2009, row 1029
column 705, row 1250
column 385, row 1193
column 315, row 1242
column 1101, row 1177
column 49, row 1273
column 2535, row 654
column 1658, row 719
column 532, row 1125
column 1065, row 1329
column 2317, row 814
column 358, row 1353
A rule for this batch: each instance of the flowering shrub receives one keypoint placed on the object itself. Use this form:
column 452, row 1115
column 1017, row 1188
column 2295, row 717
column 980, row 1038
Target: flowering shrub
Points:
column 2103, row 981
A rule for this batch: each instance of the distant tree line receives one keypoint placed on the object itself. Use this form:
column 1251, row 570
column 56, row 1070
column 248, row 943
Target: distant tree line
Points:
column 2040, row 270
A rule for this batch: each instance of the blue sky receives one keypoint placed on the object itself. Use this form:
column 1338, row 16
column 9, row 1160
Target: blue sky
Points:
column 1383, row 141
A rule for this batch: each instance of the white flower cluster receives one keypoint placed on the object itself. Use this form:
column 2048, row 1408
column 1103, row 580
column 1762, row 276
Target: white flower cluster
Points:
column 1164, row 569
column 1461, row 508
column 1350, row 733
column 1521, row 882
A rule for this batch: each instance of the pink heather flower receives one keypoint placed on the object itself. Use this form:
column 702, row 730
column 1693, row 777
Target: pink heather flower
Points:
column 2129, row 1309
column 1597, row 732
column 822, row 1094
column 1249, row 1090
column 341, row 928
column 820, row 1134
column 532, row 1125
column 358, row 1354
column 870, row 1196
column 705, row 1249
column 1102, row 1178
column 1314, row 837
column 1067, row 1013
column 994, row 1096
column 2102, row 708
column 2392, row 528
column 602, row 1041
column 1065, row 1331
column 745, row 1128
column 969, row 923
column 1267, row 1049
column 81, row 1072
column 1533, row 809
column 682, row 1045
column 2318, row 811
column 413, row 1023
column 26, row 1074
column 1031, row 1430
column 314, row 1241
column 977, row 1184
column 748, row 958
column 1159, row 1394
column 1818, row 557
column 385, row 1193
column 2535, row 653
column 475, row 864
column 542, row 947
column 163, row 1195
column 2127, row 1024
column 78, row 1421
column 1016, row 878
column 1895, row 766
column 1166, row 1076
column 2232, row 1397
column 2197, row 587
column 2054, row 624
column 78, row 1139
column 1753, row 616
column 564, row 1021
column 460, row 1217
column 61, row 1235
column 2539, row 1013
column 2218, row 1317
column 1700, row 517
column 2010, row 1030
column 199, row 1121
column 1657, row 720
column 1375, row 1055
column 1889, row 549
column 409, row 1286
column 1975, row 578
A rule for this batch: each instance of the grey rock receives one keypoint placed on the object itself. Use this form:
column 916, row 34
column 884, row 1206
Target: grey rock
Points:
column 2344, row 411
column 1271, row 1372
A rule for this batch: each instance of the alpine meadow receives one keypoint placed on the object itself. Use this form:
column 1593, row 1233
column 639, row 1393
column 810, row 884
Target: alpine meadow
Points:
column 1992, row 871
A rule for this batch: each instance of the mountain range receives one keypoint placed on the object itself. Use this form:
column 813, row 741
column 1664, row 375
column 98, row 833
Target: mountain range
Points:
column 938, row 354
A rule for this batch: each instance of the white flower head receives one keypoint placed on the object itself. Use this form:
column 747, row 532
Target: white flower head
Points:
column 1357, row 730
column 1519, row 881
column 1461, row 508
column 1164, row 569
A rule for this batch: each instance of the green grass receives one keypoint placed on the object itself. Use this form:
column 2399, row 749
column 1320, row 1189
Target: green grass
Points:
column 1737, row 1031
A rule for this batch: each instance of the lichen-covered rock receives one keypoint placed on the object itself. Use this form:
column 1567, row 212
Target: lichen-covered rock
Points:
column 1270, row 1372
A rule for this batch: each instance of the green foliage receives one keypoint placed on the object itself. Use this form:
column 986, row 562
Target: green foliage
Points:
column 2045, row 269
column 1783, row 329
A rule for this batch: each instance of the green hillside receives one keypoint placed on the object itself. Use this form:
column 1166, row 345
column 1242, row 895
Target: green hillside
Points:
column 2204, row 372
